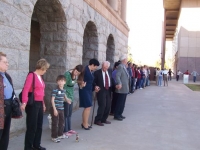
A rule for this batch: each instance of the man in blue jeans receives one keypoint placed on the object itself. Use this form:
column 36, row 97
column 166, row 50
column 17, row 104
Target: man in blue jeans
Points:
column 194, row 73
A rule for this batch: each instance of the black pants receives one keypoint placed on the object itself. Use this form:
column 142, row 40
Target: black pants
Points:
column 4, row 133
column 170, row 77
column 113, row 104
column 34, row 121
column 104, row 103
column 120, row 104
column 67, row 115
column 57, row 123
column 132, row 84
column 177, row 77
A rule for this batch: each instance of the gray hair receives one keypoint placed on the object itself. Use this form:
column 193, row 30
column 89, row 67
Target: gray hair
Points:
column 124, row 56
column 106, row 63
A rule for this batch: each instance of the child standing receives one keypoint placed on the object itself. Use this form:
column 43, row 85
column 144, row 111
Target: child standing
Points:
column 57, row 109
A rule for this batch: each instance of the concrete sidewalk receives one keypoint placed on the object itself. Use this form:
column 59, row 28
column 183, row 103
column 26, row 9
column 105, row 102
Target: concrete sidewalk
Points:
column 157, row 118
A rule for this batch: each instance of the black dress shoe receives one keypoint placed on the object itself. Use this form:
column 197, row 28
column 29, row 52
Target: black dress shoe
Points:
column 111, row 114
column 122, row 117
column 39, row 148
column 99, row 123
column 106, row 122
column 118, row 118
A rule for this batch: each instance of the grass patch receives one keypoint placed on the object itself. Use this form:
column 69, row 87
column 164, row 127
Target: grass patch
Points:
column 193, row 87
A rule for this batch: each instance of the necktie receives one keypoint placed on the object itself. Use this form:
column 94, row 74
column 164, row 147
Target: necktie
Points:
column 106, row 81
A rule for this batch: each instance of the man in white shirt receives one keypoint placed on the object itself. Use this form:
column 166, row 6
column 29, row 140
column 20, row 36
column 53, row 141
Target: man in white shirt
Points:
column 165, row 72
column 103, row 79
column 178, row 74
column 145, row 75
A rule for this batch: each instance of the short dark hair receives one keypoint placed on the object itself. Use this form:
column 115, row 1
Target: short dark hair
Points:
column 94, row 62
column 116, row 64
column 60, row 77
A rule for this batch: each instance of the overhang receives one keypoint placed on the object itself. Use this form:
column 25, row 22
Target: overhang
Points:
column 172, row 8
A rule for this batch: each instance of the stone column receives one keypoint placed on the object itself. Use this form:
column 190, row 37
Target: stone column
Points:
column 113, row 4
column 123, row 9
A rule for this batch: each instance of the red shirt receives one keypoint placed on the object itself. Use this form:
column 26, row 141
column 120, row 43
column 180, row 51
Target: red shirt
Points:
column 187, row 73
column 139, row 74
column 38, row 88
column 133, row 71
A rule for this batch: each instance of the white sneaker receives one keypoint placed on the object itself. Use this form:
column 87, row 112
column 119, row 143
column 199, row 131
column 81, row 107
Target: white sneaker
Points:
column 63, row 137
column 141, row 88
column 56, row 140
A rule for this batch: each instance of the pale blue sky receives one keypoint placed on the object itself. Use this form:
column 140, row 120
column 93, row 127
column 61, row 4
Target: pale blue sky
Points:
column 144, row 18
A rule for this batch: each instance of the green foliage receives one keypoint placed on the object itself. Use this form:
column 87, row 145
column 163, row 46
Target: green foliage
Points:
column 193, row 87
column 130, row 56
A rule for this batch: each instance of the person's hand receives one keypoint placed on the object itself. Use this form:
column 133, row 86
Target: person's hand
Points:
column 83, row 84
column 55, row 112
column 97, row 88
column 119, row 86
column 69, row 101
column 44, row 108
column 23, row 106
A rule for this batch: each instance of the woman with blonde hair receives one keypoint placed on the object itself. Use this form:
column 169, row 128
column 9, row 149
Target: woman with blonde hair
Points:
column 34, row 112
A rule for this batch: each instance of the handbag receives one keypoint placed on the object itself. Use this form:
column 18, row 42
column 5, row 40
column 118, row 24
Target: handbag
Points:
column 30, row 94
column 16, row 110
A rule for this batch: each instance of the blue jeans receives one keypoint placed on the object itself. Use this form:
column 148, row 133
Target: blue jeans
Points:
column 194, row 78
column 159, row 80
column 132, row 84
column 67, row 116
column 141, row 83
column 138, row 83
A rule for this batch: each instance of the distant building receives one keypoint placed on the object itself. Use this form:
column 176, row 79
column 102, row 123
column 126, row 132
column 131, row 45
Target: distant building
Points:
column 186, row 34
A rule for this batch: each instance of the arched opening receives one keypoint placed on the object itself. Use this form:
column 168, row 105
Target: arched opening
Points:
column 90, row 43
column 110, row 51
column 48, row 40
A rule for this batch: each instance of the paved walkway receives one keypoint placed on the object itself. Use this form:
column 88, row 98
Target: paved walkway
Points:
column 157, row 118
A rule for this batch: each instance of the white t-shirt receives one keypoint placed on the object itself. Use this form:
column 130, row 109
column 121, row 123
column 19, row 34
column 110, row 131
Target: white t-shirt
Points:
column 40, row 79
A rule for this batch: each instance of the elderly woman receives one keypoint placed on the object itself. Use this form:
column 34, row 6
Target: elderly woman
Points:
column 6, row 97
column 34, row 112
column 71, row 79
column 85, row 91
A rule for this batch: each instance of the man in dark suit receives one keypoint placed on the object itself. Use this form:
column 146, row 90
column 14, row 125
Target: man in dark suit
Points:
column 103, row 79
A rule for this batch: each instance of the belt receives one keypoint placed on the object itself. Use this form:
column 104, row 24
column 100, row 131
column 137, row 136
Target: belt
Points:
column 8, row 101
column 70, row 85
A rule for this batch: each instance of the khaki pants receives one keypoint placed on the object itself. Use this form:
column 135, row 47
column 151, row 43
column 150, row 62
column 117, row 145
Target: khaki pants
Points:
column 165, row 80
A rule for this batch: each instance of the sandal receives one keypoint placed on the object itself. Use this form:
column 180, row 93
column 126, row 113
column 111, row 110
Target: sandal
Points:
column 72, row 132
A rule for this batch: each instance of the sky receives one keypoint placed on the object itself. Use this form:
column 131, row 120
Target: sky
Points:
column 144, row 18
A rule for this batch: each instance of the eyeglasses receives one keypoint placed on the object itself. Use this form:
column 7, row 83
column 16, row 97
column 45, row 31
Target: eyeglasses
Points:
column 5, row 62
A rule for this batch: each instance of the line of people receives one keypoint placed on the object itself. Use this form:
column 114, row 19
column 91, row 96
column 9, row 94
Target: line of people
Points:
column 193, row 73
column 100, row 81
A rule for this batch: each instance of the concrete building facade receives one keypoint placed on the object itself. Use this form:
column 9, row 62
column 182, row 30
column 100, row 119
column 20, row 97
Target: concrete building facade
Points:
column 65, row 32
column 186, row 43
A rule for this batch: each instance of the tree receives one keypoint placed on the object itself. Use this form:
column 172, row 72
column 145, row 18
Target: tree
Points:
column 130, row 56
